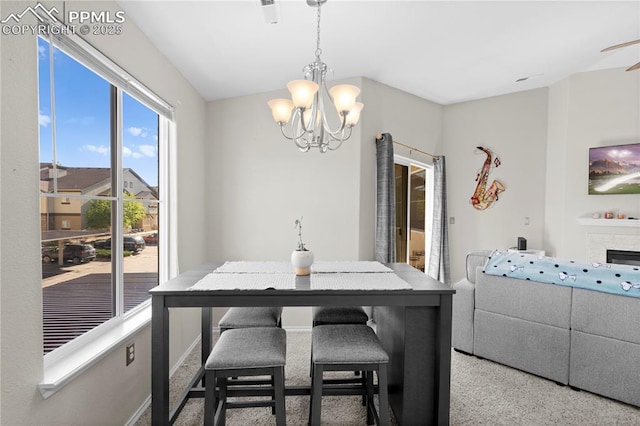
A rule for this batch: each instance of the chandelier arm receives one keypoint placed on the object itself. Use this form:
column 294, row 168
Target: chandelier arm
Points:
column 339, row 141
column 343, row 126
column 284, row 134
column 340, row 129
column 297, row 123
column 303, row 144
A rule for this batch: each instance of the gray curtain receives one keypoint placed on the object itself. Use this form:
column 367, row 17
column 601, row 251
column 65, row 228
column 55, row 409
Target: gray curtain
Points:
column 439, row 258
column 385, row 201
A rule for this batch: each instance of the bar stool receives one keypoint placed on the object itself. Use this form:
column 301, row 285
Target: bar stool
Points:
column 246, row 317
column 348, row 347
column 241, row 352
column 323, row 315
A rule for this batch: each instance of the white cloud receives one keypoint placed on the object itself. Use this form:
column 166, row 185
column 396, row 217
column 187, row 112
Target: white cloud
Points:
column 103, row 150
column 44, row 120
column 148, row 150
column 83, row 121
column 135, row 131
column 126, row 152
column 137, row 155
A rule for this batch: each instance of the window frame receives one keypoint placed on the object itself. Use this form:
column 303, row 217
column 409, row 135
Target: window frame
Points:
column 63, row 364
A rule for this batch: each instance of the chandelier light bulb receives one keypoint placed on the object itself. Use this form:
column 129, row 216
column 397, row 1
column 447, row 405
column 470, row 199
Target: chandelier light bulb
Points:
column 281, row 110
column 354, row 115
column 302, row 92
column 344, row 96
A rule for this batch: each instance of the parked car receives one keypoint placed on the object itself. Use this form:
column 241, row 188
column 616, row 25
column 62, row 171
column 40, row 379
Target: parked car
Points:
column 102, row 244
column 76, row 253
column 151, row 238
column 133, row 243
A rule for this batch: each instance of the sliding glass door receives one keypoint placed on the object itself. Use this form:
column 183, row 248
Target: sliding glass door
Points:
column 413, row 185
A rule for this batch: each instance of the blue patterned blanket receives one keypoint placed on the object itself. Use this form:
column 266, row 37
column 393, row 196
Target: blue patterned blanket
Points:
column 605, row 277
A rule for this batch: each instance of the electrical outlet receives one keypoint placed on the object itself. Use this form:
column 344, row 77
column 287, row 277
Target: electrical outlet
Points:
column 526, row 220
column 131, row 353
column 452, row 220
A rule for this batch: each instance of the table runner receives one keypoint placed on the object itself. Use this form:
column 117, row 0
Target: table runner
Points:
column 255, row 267
column 358, row 281
column 218, row 281
column 348, row 266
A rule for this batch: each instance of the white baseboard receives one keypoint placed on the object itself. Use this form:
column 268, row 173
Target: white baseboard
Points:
column 139, row 412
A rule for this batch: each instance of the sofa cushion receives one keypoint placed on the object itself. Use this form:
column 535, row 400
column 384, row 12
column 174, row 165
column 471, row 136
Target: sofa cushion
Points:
column 529, row 346
column 529, row 300
column 462, row 316
column 607, row 315
column 475, row 259
column 605, row 366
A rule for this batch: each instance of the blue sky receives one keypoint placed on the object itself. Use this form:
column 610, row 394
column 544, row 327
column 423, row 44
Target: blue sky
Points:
column 82, row 103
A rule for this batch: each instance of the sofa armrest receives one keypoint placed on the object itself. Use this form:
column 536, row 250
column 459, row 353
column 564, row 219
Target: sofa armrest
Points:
column 462, row 316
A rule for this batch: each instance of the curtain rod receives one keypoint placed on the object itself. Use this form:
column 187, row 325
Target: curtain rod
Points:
column 379, row 136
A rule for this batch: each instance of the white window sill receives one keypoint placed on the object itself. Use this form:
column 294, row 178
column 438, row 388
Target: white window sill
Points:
column 66, row 363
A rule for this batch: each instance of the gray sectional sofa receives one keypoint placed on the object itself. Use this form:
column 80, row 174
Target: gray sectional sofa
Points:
column 586, row 339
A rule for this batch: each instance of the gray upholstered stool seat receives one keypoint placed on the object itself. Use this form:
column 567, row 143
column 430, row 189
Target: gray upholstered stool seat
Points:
column 253, row 351
column 348, row 347
column 245, row 317
column 339, row 315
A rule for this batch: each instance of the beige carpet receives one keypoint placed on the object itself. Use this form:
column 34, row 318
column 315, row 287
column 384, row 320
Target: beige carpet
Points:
column 482, row 393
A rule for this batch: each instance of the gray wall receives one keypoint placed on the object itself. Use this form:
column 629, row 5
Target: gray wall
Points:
column 587, row 110
column 515, row 127
column 108, row 392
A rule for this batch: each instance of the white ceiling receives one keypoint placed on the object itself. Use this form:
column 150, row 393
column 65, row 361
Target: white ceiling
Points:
column 444, row 51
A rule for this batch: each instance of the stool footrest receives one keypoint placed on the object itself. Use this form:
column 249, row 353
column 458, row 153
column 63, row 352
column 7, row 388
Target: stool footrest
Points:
column 250, row 404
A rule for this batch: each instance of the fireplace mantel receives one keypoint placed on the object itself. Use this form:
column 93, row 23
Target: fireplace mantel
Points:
column 587, row 221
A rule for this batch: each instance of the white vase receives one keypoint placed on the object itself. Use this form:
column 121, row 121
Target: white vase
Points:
column 302, row 261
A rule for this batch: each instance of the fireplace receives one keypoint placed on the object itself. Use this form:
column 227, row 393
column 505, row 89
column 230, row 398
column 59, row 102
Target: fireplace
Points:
column 623, row 257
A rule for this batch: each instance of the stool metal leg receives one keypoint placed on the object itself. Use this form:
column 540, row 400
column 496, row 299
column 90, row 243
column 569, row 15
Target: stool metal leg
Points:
column 316, row 395
column 368, row 397
column 210, row 404
column 222, row 418
column 278, row 375
column 383, row 395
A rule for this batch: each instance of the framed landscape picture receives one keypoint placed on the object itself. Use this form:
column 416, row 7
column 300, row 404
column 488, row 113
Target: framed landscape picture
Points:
column 614, row 169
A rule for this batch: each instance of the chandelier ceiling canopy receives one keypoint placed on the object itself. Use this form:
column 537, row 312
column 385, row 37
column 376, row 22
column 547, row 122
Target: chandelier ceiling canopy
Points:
column 307, row 114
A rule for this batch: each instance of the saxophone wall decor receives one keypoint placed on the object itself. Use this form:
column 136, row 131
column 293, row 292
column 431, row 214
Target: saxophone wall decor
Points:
column 484, row 197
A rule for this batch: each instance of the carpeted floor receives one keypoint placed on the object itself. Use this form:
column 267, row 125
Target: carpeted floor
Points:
column 482, row 393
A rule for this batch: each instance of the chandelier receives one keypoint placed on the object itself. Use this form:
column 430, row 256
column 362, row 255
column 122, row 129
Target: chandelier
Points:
column 305, row 113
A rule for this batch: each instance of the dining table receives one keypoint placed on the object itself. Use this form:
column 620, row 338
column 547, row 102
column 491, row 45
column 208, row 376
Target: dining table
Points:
column 412, row 314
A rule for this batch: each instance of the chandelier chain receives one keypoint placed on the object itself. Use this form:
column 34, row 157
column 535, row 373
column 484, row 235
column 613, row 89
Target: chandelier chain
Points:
column 318, row 50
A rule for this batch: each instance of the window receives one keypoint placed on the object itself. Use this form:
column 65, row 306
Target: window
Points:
column 98, row 131
column 413, row 186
